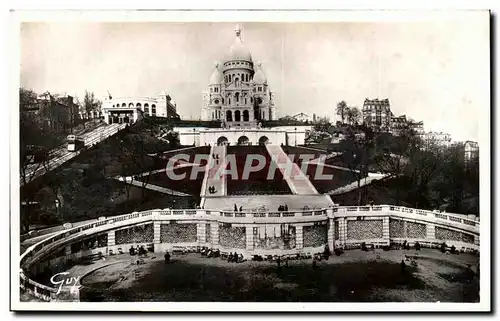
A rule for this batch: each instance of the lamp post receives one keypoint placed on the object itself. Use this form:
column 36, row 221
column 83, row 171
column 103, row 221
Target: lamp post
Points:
column 295, row 136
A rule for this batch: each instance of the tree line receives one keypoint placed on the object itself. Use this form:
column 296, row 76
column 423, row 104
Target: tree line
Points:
column 44, row 125
column 85, row 187
column 348, row 115
column 421, row 173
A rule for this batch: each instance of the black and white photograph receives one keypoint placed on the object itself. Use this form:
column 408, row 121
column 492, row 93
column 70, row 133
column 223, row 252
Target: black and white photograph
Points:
column 227, row 160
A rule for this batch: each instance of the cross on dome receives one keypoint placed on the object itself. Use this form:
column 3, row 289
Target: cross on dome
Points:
column 238, row 31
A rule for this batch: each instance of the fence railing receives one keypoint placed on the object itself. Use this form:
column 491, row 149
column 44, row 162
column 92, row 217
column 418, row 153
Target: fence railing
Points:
column 46, row 293
column 438, row 215
column 101, row 134
column 340, row 209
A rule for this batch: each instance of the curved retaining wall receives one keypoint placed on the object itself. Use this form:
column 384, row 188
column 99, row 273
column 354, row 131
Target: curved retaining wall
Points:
column 264, row 233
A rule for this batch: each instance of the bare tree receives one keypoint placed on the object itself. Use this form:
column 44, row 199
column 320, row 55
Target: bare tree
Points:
column 32, row 153
column 393, row 153
column 423, row 165
column 136, row 164
column 353, row 116
column 91, row 105
column 341, row 110
column 322, row 124
column 357, row 153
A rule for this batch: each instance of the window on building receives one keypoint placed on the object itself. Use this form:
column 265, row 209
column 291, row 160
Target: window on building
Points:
column 153, row 110
column 146, row 109
column 229, row 77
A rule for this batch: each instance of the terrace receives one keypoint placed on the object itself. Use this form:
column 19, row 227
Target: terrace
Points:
column 185, row 185
column 340, row 178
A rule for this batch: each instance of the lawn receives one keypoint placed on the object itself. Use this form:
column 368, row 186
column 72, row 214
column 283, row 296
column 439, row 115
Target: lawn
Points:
column 194, row 278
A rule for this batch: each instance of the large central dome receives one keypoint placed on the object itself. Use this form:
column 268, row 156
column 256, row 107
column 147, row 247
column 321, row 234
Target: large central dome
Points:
column 238, row 51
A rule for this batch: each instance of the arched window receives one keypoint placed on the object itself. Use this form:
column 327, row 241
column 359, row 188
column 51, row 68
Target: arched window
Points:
column 146, row 109
column 246, row 115
column 124, row 105
column 237, row 97
column 138, row 105
column 237, row 115
column 153, row 109
column 229, row 101
column 113, row 105
column 229, row 78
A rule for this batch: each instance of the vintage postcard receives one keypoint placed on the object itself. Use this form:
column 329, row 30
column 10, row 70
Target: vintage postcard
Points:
column 226, row 160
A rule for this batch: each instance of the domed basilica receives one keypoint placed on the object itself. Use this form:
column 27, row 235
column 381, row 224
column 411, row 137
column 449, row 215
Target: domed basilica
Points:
column 238, row 93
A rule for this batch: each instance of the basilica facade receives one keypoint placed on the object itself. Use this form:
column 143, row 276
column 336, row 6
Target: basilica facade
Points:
column 238, row 93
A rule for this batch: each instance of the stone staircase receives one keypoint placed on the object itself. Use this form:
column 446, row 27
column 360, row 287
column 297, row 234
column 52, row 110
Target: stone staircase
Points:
column 295, row 178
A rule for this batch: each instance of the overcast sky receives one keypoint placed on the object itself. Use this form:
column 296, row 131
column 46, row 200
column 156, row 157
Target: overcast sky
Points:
column 437, row 72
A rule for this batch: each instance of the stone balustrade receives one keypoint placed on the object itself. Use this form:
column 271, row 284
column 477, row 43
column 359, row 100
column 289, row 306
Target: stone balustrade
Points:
column 335, row 226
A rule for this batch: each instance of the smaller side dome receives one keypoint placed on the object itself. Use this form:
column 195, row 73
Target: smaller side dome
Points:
column 216, row 78
column 259, row 77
